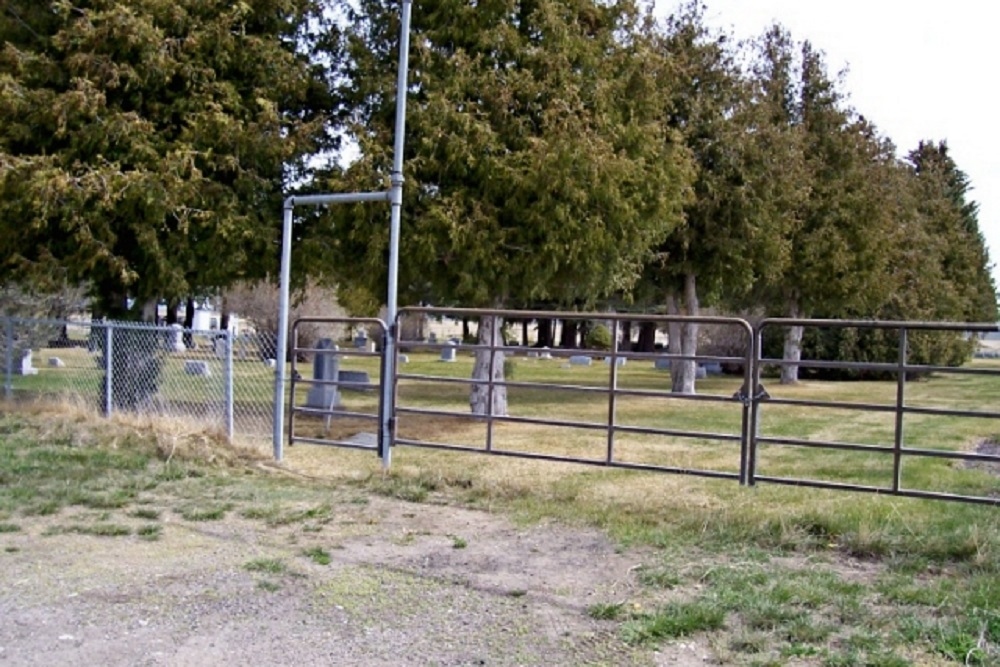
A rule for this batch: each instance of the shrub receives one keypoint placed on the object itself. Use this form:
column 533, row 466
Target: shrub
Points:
column 598, row 338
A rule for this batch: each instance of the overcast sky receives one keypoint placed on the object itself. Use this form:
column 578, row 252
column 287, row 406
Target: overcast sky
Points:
column 917, row 69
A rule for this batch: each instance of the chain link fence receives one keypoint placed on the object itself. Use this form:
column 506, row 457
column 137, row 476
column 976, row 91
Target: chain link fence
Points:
column 217, row 379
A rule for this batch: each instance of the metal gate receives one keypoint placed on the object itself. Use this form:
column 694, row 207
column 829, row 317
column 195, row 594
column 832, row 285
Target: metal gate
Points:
column 340, row 401
column 615, row 407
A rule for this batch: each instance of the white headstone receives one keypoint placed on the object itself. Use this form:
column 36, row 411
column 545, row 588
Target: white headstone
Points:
column 619, row 361
column 175, row 339
column 26, row 367
column 545, row 354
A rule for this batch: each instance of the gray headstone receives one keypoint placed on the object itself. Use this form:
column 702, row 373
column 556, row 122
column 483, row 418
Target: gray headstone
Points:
column 662, row 364
column 326, row 367
column 545, row 354
column 355, row 381
column 619, row 361
column 271, row 363
column 197, row 367
column 404, row 359
column 56, row 362
column 448, row 353
column 361, row 341
column 700, row 373
column 532, row 354
column 580, row 360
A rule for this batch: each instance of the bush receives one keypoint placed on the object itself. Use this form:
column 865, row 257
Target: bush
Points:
column 598, row 338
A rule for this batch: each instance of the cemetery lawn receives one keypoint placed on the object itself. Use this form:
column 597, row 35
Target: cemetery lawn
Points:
column 160, row 542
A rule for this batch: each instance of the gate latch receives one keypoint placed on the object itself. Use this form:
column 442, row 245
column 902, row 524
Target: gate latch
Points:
column 760, row 394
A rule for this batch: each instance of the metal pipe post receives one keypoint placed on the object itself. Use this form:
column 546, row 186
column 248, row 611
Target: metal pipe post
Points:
column 109, row 381
column 227, row 374
column 396, row 200
column 282, row 351
column 8, row 386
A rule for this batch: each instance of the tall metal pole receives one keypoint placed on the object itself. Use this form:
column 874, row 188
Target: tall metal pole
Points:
column 396, row 200
column 282, row 351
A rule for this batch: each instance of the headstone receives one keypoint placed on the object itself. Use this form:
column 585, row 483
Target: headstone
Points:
column 580, row 360
column 361, row 341
column 532, row 354
column 175, row 339
column 448, row 352
column 433, row 338
column 271, row 363
column 404, row 359
column 700, row 373
column 197, row 367
column 662, row 364
column 56, row 362
column 326, row 368
column 219, row 346
column 619, row 361
column 355, row 381
column 25, row 367
column 545, row 354
column 713, row 367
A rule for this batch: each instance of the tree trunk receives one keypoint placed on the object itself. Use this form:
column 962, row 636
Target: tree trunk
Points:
column 682, row 372
column 172, row 311
column 189, row 323
column 149, row 311
column 465, row 329
column 793, row 345
column 625, row 345
column 524, row 333
column 568, row 338
column 647, row 338
column 479, row 398
column 224, row 315
column 545, row 338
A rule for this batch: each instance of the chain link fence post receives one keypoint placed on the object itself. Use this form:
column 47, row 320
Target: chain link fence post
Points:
column 108, row 369
column 227, row 381
column 8, row 386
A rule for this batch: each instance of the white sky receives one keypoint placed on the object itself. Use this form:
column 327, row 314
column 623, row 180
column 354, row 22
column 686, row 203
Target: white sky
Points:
column 918, row 69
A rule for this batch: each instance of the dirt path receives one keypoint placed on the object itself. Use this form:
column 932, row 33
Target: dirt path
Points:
column 407, row 584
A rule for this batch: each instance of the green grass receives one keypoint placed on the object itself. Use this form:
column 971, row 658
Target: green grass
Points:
column 266, row 565
column 318, row 555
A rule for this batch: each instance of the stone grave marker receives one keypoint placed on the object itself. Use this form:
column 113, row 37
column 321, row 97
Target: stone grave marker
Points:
column 326, row 367
column 26, row 366
column 448, row 352
column 580, row 360
column 197, row 367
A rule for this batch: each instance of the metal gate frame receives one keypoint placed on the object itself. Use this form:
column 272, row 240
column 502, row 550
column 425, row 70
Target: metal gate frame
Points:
column 752, row 396
column 611, row 426
column 296, row 379
column 901, row 368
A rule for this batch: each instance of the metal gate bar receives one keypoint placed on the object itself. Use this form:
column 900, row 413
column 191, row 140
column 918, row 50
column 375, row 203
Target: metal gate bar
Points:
column 899, row 408
column 612, row 425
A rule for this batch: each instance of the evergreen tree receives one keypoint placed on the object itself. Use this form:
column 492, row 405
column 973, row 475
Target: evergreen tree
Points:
column 144, row 144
